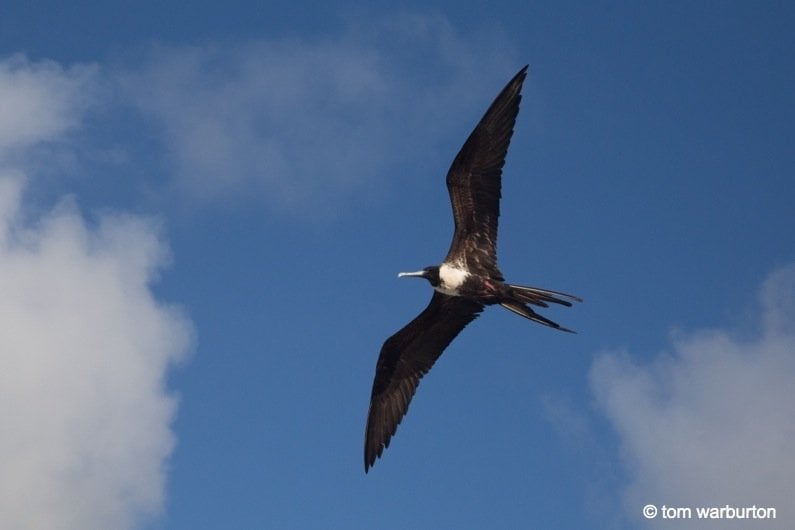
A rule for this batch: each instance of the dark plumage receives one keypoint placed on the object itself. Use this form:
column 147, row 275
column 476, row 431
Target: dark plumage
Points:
column 465, row 282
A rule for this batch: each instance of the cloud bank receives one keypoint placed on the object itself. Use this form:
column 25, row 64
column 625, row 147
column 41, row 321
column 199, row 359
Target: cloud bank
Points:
column 83, row 356
column 84, row 411
column 293, row 120
column 301, row 125
column 711, row 423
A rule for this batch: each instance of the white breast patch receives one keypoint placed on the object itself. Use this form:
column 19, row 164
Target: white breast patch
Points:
column 451, row 279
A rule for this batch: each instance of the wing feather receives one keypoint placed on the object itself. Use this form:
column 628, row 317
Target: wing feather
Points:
column 474, row 182
column 405, row 358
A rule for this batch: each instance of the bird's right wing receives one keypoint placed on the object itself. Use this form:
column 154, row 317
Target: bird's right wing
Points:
column 405, row 357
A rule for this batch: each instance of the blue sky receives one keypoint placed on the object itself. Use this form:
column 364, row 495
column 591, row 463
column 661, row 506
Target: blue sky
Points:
column 204, row 209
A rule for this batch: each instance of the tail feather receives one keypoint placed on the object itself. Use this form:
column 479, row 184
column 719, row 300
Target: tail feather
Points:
column 517, row 296
column 539, row 297
column 523, row 310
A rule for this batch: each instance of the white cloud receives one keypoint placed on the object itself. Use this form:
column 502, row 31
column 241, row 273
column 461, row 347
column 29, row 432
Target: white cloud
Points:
column 83, row 355
column 293, row 119
column 41, row 100
column 302, row 125
column 713, row 422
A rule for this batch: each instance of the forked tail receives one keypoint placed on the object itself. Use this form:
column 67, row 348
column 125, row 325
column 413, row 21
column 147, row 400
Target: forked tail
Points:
column 517, row 296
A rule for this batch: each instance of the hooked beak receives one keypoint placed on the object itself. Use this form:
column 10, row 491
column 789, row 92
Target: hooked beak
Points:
column 418, row 274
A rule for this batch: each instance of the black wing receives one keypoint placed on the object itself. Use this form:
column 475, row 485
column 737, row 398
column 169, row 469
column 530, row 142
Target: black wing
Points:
column 405, row 357
column 474, row 182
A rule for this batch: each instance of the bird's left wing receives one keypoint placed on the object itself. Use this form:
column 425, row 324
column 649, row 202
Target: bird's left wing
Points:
column 474, row 181
column 405, row 357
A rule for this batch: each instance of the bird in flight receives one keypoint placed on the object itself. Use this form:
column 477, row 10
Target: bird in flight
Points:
column 466, row 281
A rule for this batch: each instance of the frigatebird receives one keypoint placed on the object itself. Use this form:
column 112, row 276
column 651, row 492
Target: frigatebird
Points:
column 466, row 281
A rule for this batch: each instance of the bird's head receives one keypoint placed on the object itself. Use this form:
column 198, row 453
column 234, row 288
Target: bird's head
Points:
column 429, row 273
